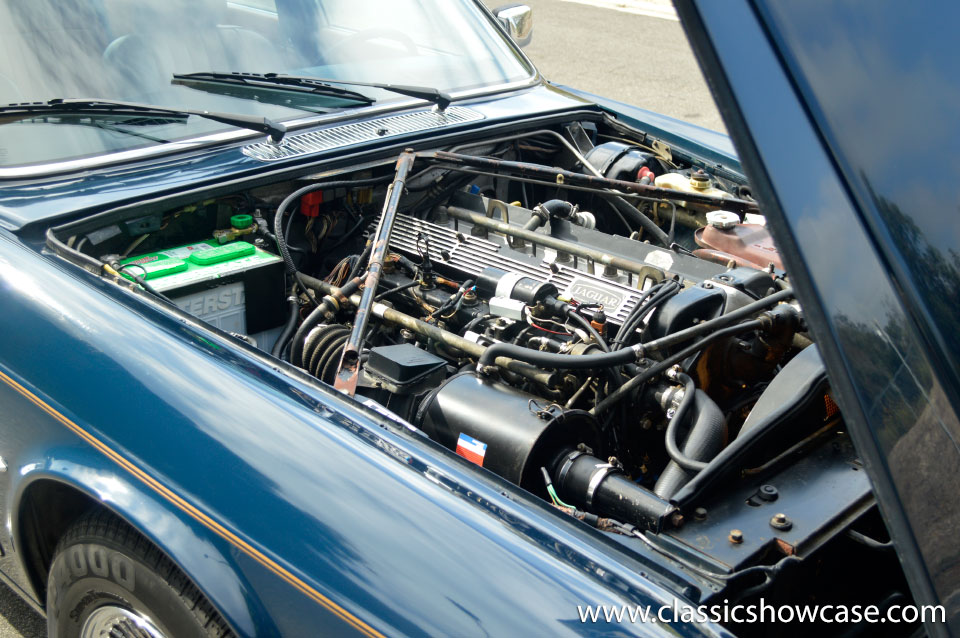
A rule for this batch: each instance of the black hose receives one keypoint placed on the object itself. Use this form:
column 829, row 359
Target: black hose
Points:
column 557, row 208
column 300, row 192
column 290, row 326
column 586, row 325
column 689, row 390
column 325, row 310
column 706, row 413
column 560, row 361
column 395, row 290
column 634, row 215
column 662, row 366
column 723, row 320
column 702, row 443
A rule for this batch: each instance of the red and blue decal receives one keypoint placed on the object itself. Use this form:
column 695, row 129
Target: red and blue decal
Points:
column 471, row 449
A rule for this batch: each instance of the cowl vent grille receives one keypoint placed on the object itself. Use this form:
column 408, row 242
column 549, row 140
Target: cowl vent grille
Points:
column 359, row 132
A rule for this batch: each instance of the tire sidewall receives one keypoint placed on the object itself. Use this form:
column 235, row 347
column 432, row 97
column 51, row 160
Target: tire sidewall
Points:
column 91, row 573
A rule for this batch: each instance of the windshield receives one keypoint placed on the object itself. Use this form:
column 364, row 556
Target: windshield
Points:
column 129, row 50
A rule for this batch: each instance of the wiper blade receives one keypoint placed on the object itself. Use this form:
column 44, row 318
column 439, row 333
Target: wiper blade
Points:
column 14, row 112
column 319, row 85
column 272, row 80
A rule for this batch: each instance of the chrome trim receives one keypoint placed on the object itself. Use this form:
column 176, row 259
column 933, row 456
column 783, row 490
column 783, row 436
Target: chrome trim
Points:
column 333, row 137
column 84, row 163
column 517, row 20
column 111, row 621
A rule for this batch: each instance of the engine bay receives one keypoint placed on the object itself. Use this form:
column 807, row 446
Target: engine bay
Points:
column 599, row 319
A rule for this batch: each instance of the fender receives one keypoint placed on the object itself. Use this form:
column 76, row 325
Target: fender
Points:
column 206, row 560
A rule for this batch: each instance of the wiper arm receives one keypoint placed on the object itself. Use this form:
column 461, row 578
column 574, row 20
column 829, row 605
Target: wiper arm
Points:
column 318, row 85
column 15, row 112
column 272, row 80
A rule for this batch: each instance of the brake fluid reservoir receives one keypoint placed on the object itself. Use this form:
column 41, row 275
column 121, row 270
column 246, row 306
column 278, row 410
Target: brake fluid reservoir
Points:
column 698, row 182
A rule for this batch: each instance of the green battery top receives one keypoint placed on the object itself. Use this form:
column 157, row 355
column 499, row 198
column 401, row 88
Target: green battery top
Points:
column 198, row 262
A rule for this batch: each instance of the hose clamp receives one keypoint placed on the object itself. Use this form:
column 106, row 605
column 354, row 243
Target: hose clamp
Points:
column 333, row 302
column 602, row 471
column 567, row 464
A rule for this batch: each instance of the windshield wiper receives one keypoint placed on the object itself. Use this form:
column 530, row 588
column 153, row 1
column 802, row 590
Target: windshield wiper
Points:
column 317, row 85
column 112, row 108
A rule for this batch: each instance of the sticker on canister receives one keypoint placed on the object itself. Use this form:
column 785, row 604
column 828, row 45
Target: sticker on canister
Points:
column 471, row 449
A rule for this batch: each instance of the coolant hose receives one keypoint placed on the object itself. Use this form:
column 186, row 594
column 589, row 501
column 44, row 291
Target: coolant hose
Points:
column 557, row 208
column 324, row 311
column 702, row 443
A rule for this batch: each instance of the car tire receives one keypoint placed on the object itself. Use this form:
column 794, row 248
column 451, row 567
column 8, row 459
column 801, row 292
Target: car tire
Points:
column 107, row 579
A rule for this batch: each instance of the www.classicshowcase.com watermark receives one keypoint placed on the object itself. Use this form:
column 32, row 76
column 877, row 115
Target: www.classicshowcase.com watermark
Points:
column 760, row 612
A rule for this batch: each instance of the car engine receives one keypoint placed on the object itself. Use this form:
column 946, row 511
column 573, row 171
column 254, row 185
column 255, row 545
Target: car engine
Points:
column 597, row 318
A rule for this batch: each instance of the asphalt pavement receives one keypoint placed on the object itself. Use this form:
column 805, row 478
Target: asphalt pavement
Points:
column 622, row 54
column 635, row 52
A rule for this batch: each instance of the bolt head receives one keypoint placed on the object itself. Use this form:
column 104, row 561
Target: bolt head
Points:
column 736, row 536
column 768, row 493
column 781, row 521
column 700, row 513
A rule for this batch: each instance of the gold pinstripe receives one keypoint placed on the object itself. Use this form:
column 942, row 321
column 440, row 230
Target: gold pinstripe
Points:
column 198, row 515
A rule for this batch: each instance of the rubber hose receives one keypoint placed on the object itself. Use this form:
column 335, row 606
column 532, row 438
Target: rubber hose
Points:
column 662, row 366
column 586, row 325
column 560, row 361
column 632, row 214
column 326, row 307
column 292, row 197
column 557, row 208
column 702, row 443
column 291, row 324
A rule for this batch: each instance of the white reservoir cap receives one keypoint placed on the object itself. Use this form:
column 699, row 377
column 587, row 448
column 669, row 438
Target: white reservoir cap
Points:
column 722, row 219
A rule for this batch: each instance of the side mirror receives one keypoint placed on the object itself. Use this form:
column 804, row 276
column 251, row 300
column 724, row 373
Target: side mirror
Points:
column 517, row 20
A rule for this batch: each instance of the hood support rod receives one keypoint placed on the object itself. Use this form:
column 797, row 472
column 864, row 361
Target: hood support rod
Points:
column 348, row 372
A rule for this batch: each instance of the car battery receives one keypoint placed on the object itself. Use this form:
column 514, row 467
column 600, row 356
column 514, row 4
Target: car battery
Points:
column 236, row 287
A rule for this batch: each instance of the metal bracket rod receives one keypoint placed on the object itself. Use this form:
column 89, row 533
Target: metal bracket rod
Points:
column 348, row 372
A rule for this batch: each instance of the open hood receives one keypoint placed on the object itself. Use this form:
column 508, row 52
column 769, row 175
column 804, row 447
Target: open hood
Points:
column 845, row 121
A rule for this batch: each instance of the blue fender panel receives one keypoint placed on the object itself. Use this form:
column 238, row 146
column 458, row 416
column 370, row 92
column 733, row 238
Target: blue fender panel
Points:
column 207, row 559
